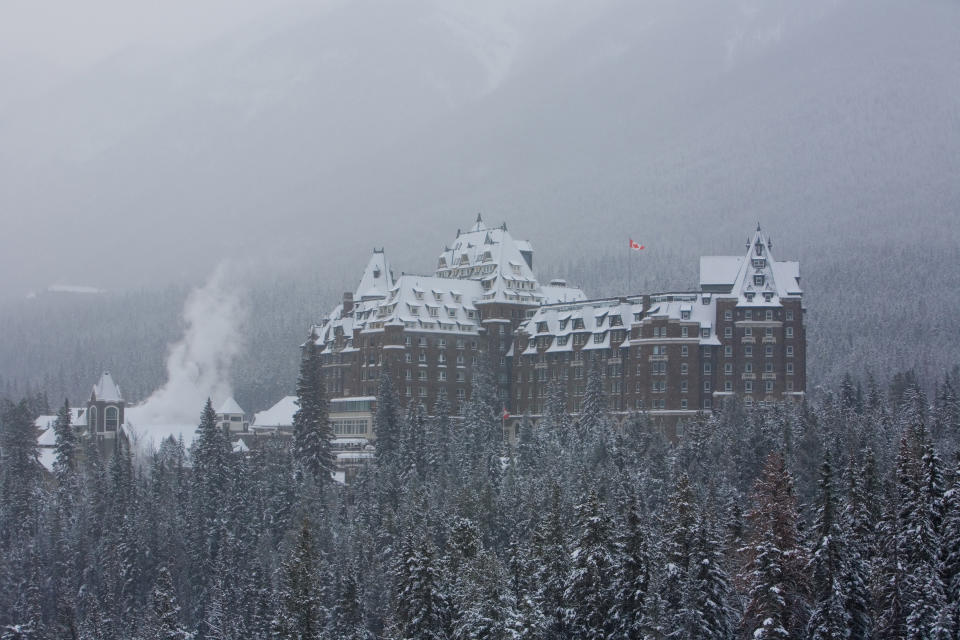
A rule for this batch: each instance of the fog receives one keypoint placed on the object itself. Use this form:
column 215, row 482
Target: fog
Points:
column 151, row 143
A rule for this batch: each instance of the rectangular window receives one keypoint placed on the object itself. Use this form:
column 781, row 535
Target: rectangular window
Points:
column 769, row 386
column 789, row 385
column 728, row 368
column 683, row 332
column 728, row 332
column 768, row 332
column 728, row 315
column 728, row 351
column 707, row 368
column 748, row 314
column 705, row 332
column 789, row 332
column 768, row 367
column 728, row 386
column 683, row 386
column 789, row 351
column 707, row 403
column 748, row 367
column 789, row 368
column 769, row 314
column 748, row 352
column 706, row 386
column 748, row 386
column 683, row 403
column 683, row 368
column 684, row 350
column 789, row 314
column 747, row 332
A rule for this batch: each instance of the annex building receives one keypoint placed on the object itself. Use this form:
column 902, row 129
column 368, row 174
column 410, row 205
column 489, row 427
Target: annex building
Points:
column 672, row 354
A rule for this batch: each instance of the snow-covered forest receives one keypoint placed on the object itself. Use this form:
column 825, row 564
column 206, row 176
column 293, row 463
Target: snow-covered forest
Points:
column 839, row 519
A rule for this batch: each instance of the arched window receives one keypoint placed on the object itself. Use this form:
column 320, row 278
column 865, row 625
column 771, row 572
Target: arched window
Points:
column 92, row 419
column 112, row 418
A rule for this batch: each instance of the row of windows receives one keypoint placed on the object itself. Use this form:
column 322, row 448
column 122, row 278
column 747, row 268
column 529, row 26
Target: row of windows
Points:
column 441, row 375
column 748, row 314
column 350, row 426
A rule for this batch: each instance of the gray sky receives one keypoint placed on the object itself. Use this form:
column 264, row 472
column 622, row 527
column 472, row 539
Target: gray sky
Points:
column 145, row 142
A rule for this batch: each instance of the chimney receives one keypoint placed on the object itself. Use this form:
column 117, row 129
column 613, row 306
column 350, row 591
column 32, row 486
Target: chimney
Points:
column 347, row 303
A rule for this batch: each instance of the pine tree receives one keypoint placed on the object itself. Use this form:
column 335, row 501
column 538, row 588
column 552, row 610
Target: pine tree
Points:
column 594, row 404
column 632, row 577
column 166, row 610
column 421, row 609
column 774, row 576
column 387, row 423
column 830, row 619
column 19, row 470
column 66, row 444
column 950, row 552
column 588, row 586
column 311, row 422
column 708, row 612
column 300, row 615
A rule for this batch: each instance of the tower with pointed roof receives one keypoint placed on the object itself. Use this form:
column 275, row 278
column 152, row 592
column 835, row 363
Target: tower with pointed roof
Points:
column 105, row 408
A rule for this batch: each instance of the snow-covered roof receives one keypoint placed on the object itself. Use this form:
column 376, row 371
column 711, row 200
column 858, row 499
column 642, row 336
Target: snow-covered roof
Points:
column 230, row 406
column 279, row 415
column 719, row 270
column 48, row 438
column 756, row 278
column 597, row 317
column 698, row 308
column 377, row 278
column 78, row 418
column 106, row 390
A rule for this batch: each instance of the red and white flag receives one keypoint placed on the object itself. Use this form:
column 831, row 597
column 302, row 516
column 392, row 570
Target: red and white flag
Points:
column 636, row 246
column 506, row 414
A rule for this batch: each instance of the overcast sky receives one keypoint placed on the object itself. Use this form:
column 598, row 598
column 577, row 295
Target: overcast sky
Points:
column 145, row 142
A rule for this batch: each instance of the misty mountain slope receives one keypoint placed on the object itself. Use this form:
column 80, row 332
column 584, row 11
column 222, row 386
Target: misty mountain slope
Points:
column 296, row 145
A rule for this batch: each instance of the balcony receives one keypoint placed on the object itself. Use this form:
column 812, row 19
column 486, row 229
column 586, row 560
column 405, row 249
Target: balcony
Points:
column 769, row 340
column 769, row 376
column 657, row 358
column 748, row 376
column 748, row 340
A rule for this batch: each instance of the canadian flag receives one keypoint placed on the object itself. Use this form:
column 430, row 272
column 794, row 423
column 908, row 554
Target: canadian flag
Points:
column 635, row 246
column 506, row 414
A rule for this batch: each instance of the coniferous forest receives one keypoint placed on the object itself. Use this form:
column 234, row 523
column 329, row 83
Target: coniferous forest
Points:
column 839, row 519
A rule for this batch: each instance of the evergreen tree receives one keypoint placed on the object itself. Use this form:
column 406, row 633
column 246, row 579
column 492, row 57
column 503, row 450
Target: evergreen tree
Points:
column 311, row 423
column 708, row 611
column 66, row 443
column 19, row 470
column 588, row 591
column 632, row 578
column 166, row 610
column 830, row 619
column 300, row 615
column 421, row 609
column 387, row 423
column 774, row 576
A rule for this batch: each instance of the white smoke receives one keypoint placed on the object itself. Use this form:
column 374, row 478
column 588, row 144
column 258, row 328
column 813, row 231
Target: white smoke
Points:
column 198, row 366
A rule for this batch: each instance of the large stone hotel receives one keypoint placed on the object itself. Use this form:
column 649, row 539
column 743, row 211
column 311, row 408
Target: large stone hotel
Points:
column 673, row 354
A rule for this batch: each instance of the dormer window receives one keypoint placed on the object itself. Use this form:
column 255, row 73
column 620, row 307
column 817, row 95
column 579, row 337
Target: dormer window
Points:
column 578, row 323
column 758, row 263
column 758, row 280
column 749, row 296
column 464, row 259
column 684, row 315
column 563, row 325
column 767, row 296
column 758, row 248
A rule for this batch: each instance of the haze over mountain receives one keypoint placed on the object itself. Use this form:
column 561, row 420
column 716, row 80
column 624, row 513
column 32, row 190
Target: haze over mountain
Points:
column 311, row 135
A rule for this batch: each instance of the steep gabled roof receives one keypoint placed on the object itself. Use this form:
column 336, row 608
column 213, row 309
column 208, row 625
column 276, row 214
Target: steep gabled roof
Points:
column 377, row 278
column 230, row 406
column 106, row 390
